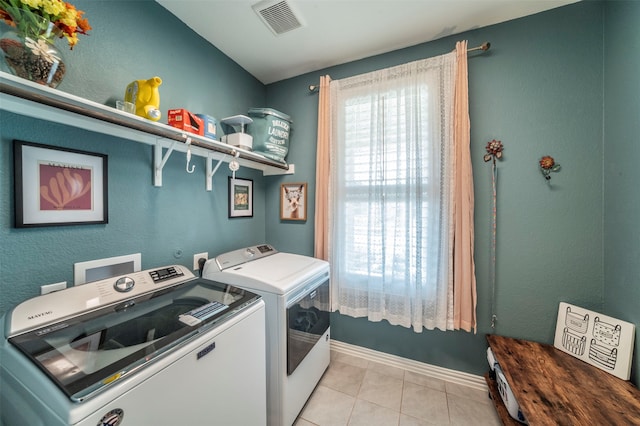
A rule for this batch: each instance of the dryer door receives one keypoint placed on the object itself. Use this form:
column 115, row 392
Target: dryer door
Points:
column 307, row 321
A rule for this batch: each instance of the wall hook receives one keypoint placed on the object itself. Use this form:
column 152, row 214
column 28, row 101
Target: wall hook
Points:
column 193, row 167
column 234, row 165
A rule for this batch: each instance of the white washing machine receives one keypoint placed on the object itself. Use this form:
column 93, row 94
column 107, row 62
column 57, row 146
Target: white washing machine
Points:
column 295, row 290
column 156, row 347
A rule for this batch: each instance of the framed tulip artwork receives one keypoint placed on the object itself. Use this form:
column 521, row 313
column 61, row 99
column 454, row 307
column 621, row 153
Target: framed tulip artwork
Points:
column 58, row 186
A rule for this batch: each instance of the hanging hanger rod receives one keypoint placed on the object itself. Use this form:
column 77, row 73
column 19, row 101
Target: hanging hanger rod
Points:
column 484, row 47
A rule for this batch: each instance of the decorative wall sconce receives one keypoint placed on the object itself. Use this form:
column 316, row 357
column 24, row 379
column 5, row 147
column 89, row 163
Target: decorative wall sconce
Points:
column 547, row 166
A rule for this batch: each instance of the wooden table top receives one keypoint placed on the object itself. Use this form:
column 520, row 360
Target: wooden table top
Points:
column 554, row 388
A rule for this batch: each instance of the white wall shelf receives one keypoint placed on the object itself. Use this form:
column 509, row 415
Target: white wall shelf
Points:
column 34, row 100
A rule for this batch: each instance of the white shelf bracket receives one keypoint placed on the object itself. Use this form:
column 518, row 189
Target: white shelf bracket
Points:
column 212, row 171
column 159, row 161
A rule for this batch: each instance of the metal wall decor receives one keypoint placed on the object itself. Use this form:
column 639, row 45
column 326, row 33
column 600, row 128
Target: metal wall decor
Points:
column 547, row 166
column 494, row 152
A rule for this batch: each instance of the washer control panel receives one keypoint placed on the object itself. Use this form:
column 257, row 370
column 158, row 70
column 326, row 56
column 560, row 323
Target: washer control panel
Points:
column 42, row 310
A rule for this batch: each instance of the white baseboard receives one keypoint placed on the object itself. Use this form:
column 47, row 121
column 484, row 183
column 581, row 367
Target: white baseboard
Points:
column 448, row 375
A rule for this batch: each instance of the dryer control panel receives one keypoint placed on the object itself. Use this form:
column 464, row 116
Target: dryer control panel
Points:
column 240, row 256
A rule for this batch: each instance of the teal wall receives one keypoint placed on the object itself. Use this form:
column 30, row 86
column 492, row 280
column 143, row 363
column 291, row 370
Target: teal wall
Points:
column 621, row 171
column 135, row 40
column 540, row 89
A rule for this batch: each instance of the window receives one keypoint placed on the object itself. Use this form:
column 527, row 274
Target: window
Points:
column 390, row 194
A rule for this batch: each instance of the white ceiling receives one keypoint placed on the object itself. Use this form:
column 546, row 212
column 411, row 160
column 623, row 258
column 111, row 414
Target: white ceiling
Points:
column 338, row 31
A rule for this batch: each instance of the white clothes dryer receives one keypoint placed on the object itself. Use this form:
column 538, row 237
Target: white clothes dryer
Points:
column 295, row 290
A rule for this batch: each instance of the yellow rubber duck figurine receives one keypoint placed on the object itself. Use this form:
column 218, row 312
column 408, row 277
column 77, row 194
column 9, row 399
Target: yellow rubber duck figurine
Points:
column 144, row 94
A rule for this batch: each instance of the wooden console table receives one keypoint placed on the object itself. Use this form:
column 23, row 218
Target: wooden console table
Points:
column 553, row 388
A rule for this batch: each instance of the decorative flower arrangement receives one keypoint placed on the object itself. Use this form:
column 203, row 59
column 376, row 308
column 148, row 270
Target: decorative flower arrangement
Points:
column 31, row 18
column 494, row 150
column 28, row 50
column 547, row 166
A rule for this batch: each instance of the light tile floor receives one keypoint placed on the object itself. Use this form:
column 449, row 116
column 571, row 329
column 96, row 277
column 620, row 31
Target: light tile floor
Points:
column 355, row 391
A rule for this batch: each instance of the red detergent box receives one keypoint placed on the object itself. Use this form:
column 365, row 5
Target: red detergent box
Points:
column 185, row 120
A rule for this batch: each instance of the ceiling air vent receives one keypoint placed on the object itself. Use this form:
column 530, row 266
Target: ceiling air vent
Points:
column 278, row 15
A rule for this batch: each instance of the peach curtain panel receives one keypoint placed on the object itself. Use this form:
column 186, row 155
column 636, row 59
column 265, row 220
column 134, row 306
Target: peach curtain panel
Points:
column 321, row 243
column 464, row 277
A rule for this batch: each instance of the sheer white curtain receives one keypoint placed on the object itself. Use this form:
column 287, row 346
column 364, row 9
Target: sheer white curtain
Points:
column 391, row 224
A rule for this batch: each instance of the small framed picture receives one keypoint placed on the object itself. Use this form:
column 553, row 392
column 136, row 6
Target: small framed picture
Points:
column 240, row 197
column 293, row 201
column 58, row 186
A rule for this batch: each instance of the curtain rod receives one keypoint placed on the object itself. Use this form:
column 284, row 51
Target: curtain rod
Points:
column 484, row 47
